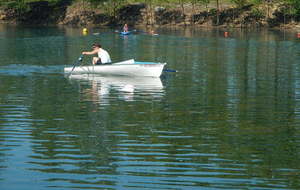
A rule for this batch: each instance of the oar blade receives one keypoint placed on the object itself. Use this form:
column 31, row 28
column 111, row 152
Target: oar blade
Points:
column 170, row 70
column 77, row 62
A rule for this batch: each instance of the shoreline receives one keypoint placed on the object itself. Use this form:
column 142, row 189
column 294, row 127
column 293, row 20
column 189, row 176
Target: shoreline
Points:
column 287, row 28
column 186, row 31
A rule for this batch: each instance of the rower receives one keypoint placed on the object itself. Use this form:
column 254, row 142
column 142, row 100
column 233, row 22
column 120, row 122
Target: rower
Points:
column 103, row 56
column 125, row 28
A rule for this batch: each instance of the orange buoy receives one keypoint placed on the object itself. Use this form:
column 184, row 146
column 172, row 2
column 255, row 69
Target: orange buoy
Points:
column 298, row 35
column 226, row 34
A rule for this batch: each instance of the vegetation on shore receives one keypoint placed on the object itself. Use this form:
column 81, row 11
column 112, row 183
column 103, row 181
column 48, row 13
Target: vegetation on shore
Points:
column 159, row 12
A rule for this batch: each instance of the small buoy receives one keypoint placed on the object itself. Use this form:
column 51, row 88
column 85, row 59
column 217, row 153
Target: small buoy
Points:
column 298, row 35
column 225, row 34
column 84, row 31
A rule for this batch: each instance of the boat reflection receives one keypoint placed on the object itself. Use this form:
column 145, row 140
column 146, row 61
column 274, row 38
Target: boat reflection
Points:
column 103, row 89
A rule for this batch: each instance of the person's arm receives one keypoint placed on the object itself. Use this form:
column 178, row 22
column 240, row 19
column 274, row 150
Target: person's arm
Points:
column 90, row 52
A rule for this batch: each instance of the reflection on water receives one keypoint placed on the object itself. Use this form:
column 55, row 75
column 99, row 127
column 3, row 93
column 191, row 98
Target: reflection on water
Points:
column 100, row 87
column 229, row 119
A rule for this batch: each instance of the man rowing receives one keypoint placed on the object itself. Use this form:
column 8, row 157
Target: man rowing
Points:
column 103, row 56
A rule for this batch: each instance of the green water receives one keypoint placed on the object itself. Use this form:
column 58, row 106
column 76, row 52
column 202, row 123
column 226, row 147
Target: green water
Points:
column 229, row 119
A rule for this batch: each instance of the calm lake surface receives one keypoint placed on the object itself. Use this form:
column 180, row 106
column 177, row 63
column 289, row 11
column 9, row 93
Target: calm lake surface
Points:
column 229, row 119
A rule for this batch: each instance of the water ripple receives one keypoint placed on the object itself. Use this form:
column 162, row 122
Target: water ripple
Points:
column 28, row 70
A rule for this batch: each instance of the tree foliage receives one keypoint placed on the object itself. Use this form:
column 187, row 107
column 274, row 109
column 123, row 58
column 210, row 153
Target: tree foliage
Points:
column 294, row 6
column 112, row 5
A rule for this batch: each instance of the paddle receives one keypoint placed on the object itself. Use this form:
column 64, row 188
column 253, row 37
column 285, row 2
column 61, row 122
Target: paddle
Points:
column 76, row 63
column 170, row 70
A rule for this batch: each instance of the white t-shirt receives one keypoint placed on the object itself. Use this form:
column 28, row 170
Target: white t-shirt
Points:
column 104, row 56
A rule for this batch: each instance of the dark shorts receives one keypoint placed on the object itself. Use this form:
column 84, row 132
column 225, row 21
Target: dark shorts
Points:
column 99, row 62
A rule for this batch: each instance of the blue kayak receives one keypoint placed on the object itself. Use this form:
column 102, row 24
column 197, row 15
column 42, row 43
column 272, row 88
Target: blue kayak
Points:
column 125, row 33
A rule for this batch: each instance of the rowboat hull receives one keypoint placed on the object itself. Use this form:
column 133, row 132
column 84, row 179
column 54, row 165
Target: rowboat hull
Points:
column 136, row 69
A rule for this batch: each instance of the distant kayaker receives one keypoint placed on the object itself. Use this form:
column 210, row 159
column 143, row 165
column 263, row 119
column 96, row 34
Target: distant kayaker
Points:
column 103, row 56
column 152, row 33
column 125, row 28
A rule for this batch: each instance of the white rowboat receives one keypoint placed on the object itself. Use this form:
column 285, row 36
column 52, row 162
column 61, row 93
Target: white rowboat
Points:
column 125, row 68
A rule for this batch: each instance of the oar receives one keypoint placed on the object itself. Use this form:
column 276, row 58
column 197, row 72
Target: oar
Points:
column 76, row 63
column 170, row 70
